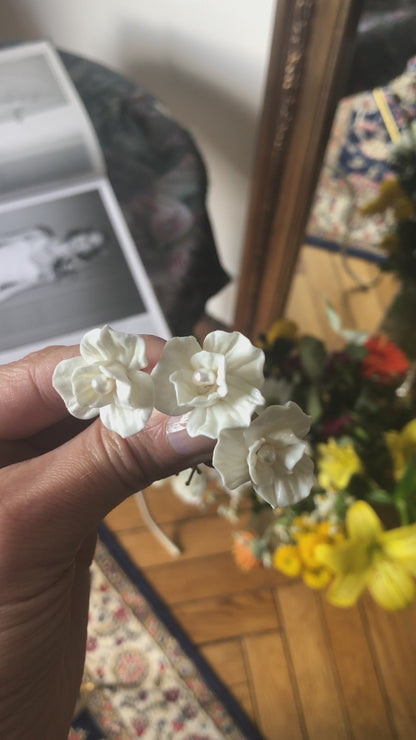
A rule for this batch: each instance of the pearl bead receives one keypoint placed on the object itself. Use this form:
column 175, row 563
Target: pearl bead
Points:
column 204, row 377
column 103, row 385
column 267, row 454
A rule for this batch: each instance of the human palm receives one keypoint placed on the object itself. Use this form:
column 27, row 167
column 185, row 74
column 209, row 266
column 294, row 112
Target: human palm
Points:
column 58, row 478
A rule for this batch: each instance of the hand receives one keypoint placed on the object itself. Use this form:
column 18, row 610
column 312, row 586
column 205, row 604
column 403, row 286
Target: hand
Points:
column 58, row 478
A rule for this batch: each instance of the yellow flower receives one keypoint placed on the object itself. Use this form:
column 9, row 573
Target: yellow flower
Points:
column 303, row 523
column 287, row 560
column 382, row 561
column 402, row 447
column 281, row 328
column 389, row 192
column 307, row 543
column 336, row 465
column 316, row 577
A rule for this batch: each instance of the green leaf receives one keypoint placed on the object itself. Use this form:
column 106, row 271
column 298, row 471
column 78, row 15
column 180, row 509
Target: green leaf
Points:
column 313, row 403
column 313, row 355
column 379, row 496
column 406, row 487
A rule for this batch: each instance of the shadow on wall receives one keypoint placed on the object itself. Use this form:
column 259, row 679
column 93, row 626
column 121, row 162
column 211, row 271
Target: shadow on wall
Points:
column 18, row 23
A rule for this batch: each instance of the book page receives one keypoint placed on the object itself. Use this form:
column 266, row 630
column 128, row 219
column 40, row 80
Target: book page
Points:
column 68, row 264
column 46, row 136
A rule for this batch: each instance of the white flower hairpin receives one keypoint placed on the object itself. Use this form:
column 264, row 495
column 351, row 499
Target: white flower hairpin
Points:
column 270, row 454
column 107, row 380
column 219, row 384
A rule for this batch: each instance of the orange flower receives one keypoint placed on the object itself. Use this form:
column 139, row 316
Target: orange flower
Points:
column 243, row 552
column 384, row 359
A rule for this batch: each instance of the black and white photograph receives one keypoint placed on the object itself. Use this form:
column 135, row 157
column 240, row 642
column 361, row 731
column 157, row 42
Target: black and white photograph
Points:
column 28, row 86
column 63, row 269
column 45, row 135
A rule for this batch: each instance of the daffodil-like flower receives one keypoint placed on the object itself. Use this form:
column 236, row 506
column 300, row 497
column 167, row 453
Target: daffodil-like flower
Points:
column 382, row 561
column 402, row 447
column 337, row 464
column 107, row 380
column 219, row 383
column 270, row 454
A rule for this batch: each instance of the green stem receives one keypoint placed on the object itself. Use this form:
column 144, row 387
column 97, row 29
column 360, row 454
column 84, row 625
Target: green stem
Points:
column 403, row 512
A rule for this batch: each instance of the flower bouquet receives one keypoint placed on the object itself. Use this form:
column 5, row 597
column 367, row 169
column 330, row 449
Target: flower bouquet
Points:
column 357, row 529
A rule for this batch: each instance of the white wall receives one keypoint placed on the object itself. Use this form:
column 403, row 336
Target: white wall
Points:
column 205, row 60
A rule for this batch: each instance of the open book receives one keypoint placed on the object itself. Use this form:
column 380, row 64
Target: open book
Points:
column 67, row 260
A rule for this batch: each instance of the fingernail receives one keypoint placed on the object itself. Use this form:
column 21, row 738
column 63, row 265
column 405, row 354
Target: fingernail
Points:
column 199, row 448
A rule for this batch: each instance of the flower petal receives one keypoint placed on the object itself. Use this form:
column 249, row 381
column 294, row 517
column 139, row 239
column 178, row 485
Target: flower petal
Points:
column 124, row 421
column 391, row 585
column 400, row 543
column 138, row 393
column 241, row 392
column 62, row 376
column 62, row 381
column 362, row 522
column 106, row 344
column 288, row 488
column 176, row 356
column 84, row 393
column 230, row 458
column 275, row 419
column 345, row 590
column 347, row 557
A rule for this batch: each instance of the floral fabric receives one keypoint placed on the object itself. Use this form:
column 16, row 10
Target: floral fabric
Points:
column 139, row 681
column 355, row 164
column 159, row 179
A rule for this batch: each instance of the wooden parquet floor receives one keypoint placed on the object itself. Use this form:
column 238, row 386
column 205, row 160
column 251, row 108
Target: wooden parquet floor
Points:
column 302, row 669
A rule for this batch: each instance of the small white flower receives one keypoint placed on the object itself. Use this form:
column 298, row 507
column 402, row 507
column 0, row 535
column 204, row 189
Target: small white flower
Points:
column 219, row 383
column 190, row 485
column 270, row 454
column 107, row 381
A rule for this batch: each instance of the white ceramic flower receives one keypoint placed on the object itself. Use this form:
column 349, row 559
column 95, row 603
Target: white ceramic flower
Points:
column 270, row 454
column 219, row 383
column 107, row 380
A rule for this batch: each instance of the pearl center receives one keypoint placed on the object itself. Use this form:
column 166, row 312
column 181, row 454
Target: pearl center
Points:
column 266, row 454
column 103, row 385
column 204, row 378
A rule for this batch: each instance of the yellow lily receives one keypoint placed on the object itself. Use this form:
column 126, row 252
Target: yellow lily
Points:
column 371, row 557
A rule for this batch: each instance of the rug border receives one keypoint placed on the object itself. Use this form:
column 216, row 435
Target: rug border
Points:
column 136, row 575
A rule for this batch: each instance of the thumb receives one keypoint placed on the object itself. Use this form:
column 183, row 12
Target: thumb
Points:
column 64, row 494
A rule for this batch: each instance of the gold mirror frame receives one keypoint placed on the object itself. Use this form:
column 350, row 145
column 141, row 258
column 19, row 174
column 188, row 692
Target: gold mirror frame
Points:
column 311, row 48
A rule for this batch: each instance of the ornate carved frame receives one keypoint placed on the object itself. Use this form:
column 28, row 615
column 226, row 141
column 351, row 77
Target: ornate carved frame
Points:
column 311, row 45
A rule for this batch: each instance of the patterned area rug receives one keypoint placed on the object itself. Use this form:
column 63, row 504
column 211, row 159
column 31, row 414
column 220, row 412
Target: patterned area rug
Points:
column 355, row 164
column 143, row 678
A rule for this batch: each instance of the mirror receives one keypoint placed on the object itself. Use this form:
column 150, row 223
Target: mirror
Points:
column 311, row 46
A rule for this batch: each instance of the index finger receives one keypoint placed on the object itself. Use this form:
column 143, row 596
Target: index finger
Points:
column 28, row 401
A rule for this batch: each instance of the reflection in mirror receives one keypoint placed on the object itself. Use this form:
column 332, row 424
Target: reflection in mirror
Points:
column 346, row 217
